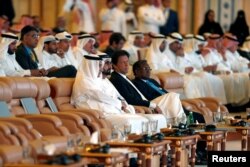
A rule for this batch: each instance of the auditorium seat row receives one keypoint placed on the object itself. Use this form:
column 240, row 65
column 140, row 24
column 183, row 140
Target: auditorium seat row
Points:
column 19, row 127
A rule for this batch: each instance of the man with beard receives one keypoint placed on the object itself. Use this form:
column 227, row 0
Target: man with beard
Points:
column 28, row 59
column 8, row 58
column 47, row 51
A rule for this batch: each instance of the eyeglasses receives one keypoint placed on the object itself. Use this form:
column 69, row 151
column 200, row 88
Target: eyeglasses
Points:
column 35, row 36
column 147, row 68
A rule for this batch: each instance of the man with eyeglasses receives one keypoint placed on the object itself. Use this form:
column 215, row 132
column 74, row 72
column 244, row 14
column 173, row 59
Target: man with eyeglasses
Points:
column 27, row 58
column 167, row 104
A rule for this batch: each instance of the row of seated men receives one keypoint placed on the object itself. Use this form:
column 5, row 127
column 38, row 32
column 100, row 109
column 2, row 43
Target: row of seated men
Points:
column 88, row 82
column 50, row 127
column 194, row 59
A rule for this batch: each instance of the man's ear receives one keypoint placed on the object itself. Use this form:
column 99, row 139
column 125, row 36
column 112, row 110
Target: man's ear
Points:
column 114, row 66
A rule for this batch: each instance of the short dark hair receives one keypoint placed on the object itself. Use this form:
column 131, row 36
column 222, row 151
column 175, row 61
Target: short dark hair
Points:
column 27, row 29
column 116, row 38
column 118, row 54
column 137, row 65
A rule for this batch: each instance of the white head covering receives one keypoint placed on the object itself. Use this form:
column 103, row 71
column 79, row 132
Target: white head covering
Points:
column 132, row 35
column 173, row 37
column 87, row 77
column 84, row 39
column 6, row 40
column 63, row 35
column 39, row 49
column 198, row 40
column 154, row 56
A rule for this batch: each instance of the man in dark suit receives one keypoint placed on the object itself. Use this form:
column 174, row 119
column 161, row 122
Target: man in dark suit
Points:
column 150, row 88
column 27, row 58
column 167, row 104
column 172, row 23
column 124, row 85
column 142, row 79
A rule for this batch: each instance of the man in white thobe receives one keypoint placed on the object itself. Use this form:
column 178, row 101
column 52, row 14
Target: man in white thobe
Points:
column 150, row 18
column 200, row 82
column 64, row 48
column 234, row 61
column 213, row 57
column 157, row 60
column 112, row 18
column 8, row 63
column 237, row 84
column 133, row 46
column 84, row 46
column 90, row 90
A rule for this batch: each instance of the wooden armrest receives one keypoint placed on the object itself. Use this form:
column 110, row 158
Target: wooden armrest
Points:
column 11, row 154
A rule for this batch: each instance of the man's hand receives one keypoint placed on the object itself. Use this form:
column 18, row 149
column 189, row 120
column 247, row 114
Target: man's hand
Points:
column 36, row 73
column 157, row 110
column 60, row 53
column 52, row 69
column 188, row 70
column 124, row 105
column 43, row 72
column 173, row 71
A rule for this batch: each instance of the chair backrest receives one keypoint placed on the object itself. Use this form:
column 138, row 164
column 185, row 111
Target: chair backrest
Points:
column 24, row 126
column 5, row 97
column 10, row 154
column 42, row 94
column 26, row 88
column 172, row 82
column 6, row 137
column 21, row 88
column 61, row 90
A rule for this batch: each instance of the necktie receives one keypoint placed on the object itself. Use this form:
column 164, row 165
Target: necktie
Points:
column 152, row 85
column 33, row 57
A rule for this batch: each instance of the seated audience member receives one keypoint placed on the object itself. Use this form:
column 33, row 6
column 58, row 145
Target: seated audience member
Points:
column 133, row 46
column 47, row 51
column 244, row 51
column 85, row 46
column 233, row 59
column 150, row 88
column 8, row 58
column 92, row 91
column 27, row 58
column 64, row 46
column 116, row 42
column 168, row 104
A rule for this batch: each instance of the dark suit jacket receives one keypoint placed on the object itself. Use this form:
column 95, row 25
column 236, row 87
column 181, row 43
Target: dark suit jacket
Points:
column 127, row 90
column 171, row 25
column 24, row 59
column 149, row 92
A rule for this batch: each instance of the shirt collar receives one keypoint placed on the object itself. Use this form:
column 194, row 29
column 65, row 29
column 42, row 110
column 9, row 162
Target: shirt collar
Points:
column 124, row 76
column 28, row 49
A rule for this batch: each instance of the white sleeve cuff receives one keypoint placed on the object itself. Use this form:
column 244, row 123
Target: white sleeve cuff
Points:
column 152, row 105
